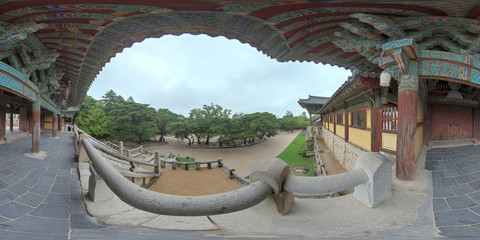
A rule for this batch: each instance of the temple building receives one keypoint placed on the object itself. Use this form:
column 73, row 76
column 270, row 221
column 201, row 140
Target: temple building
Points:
column 313, row 104
column 416, row 64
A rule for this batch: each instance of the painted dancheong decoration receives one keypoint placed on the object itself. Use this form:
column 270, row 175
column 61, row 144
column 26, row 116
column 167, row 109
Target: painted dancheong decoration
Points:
column 51, row 53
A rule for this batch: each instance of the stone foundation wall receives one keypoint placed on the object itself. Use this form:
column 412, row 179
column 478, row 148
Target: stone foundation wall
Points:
column 339, row 150
column 345, row 153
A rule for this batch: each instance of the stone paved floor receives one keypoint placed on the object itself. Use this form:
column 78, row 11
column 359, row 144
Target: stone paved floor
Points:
column 41, row 198
column 456, row 189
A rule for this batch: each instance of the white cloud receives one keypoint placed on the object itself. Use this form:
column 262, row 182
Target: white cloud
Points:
column 186, row 72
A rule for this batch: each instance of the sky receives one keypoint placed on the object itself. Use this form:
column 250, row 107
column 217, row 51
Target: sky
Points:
column 185, row 72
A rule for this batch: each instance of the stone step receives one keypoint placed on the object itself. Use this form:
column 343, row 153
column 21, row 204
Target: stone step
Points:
column 451, row 143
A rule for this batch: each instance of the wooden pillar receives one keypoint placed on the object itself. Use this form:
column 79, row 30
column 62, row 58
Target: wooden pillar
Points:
column 475, row 124
column 54, row 122
column 11, row 120
column 30, row 120
column 42, row 120
column 22, row 125
column 60, row 123
column 346, row 126
column 376, row 128
column 427, row 121
column 2, row 116
column 36, row 126
column 407, row 120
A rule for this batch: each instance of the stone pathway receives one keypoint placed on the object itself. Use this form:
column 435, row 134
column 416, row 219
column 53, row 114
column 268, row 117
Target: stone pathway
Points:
column 456, row 189
column 40, row 198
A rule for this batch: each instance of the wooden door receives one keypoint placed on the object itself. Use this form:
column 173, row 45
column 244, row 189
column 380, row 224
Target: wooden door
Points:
column 451, row 122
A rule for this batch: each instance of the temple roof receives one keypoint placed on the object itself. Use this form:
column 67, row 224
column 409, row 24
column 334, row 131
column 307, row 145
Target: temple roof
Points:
column 313, row 104
column 81, row 36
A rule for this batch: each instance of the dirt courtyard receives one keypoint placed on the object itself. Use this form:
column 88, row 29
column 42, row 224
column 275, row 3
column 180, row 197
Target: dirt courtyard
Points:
column 193, row 182
column 243, row 159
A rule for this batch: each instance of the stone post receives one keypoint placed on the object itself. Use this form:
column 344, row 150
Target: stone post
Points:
column 97, row 188
column 36, row 126
column 2, row 116
column 156, row 160
column 197, row 165
column 273, row 172
column 378, row 188
column 121, row 148
column 82, row 154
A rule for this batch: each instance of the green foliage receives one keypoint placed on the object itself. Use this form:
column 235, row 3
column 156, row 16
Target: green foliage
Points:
column 110, row 99
column 182, row 129
column 128, row 120
column 289, row 122
column 91, row 117
column 207, row 120
column 164, row 117
column 292, row 155
column 133, row 121
column 259, row 125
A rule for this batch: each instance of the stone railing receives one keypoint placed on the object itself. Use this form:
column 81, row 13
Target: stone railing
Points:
column 135, row 152
column 110, row 151
column 371, row 179
column 198, row 165
column 318, row 158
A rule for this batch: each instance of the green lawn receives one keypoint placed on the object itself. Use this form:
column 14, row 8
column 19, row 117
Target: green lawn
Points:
column 292, row 157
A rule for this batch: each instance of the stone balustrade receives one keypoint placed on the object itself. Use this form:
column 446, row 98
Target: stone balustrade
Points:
column 371, row 179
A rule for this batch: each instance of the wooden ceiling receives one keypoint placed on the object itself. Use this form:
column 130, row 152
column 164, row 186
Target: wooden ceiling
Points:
column 81, row 36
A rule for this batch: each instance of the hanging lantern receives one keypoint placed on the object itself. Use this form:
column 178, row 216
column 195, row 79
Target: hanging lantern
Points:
column 385, row 78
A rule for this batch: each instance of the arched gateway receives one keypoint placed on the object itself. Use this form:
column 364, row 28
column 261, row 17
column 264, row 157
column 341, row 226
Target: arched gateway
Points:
column 51, row 51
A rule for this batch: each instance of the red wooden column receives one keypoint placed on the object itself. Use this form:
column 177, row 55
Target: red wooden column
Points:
column 54, row 122
column 407, row 123
column 22, row 126
column 2, row 116
column 36, row 126
column 60, row 123
column 475, row 124
column 346, row 126
column 30, row 120
column 376, row 128
column 42, row 120
column 11, row 121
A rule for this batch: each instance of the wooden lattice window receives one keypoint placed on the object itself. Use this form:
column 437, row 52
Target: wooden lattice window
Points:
column 390, row 119
column 340, row 118
column 359, row 119
column 331, row 119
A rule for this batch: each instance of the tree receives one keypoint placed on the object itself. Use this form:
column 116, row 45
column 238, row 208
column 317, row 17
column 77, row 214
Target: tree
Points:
column 289, row 122
column 206, row 119
column 259, row 125
column 110, row 99
column 131, row 121
column 91, row 117
column 164, row 117
column 182, row 129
